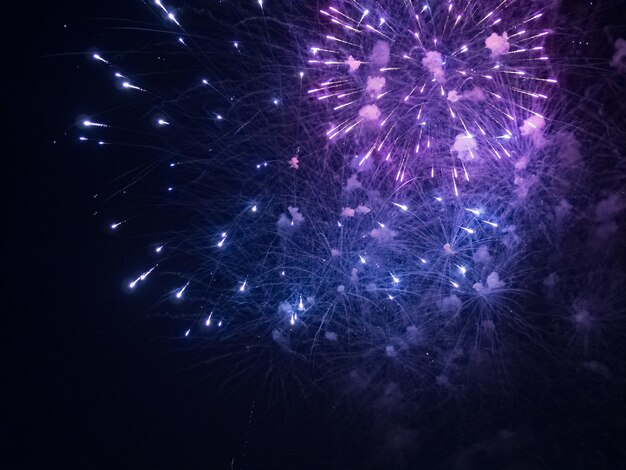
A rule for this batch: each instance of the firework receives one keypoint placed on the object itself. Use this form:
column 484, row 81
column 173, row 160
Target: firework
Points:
column 379, row 195
column 433, row 89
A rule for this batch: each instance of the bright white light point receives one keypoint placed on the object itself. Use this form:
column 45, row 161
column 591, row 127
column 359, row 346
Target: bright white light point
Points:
column 275, row 101
column 454, row 284
column 254, row 209
column 158, row 249
column 236, row 44
column 493, row 224
column 119, row 75
column 468, row 230
column 362, row 259
column 204, row 81
column 381, row 225
column 438, row 199
column 292, row 321
column 93, row 124
column 115, row 225
column 173, row 18
column 161, row 122
column 82, row 138
column 301, row 74
column 423, row 260
column 208, row 320
column 473, row 211
column 179, row 294
column 141, row 277
column 243, row 286
column 396, row 280
column 187, row 332
column 301, row 304
column 462, row 270
column 220, row 323
column 128, row 85
column 99, row 57
column 261, row 3
column 401, row 206
column 219, row 117
column 282, row 273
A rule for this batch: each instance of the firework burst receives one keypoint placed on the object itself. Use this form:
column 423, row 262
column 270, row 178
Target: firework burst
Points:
column 433, row 88
column 379, row 197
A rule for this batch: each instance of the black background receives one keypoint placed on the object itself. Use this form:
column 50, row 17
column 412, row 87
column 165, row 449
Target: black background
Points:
column 92, row 382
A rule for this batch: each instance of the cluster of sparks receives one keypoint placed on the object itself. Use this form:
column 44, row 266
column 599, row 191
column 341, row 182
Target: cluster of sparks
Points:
column 426, row 105
column 432, row 86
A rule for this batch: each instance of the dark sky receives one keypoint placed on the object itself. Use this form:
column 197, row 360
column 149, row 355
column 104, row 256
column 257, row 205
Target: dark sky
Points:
column 95, row 382
column 92, row 380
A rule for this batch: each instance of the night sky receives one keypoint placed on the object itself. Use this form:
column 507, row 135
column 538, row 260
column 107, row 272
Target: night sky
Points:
column 101, row 379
